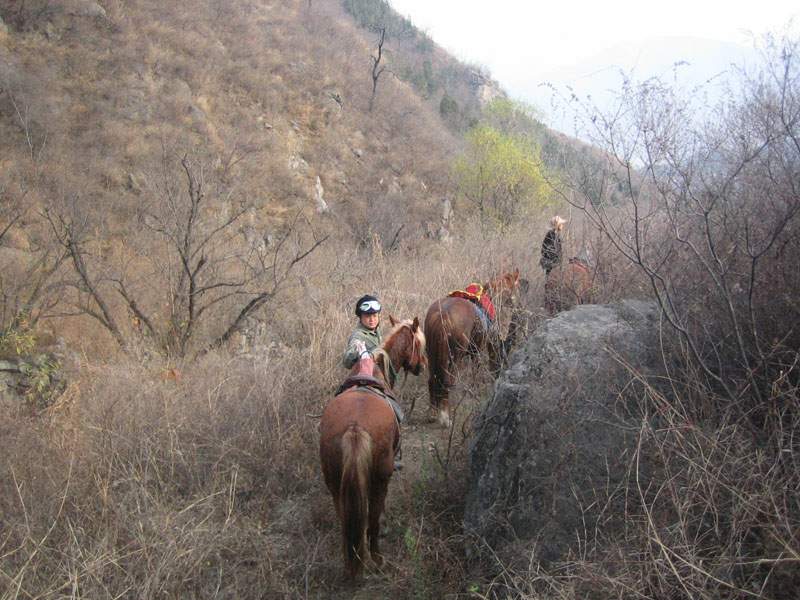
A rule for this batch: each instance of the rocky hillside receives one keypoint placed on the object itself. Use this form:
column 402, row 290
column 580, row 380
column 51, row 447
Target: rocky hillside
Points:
column 279, row 113
column 273, row 96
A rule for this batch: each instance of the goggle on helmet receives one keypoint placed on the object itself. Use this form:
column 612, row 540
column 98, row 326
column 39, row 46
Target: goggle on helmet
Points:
column 368, row 305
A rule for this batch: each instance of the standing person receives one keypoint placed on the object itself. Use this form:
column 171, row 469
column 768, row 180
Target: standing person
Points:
column 551, row 245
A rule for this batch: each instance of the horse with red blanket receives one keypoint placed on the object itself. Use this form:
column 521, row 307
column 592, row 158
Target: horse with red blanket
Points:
column 358, row 437
column 463, row 324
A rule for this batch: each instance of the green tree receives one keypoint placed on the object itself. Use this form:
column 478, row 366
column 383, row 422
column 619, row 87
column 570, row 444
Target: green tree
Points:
column 514, row 118
column 448, row 107
column 501, row 175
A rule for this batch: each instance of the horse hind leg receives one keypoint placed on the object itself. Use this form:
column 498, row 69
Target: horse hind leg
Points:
column 443, row 407
column 438, row 390
column 444, row 415
column 377, row 500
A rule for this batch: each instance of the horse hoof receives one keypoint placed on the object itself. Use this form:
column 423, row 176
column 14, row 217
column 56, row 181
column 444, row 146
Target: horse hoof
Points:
column 444, row 420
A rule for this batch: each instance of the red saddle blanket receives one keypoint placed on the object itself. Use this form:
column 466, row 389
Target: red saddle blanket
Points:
column 476, row 293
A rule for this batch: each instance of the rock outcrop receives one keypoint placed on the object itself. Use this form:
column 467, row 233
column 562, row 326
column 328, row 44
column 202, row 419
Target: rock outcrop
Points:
column 553, row 433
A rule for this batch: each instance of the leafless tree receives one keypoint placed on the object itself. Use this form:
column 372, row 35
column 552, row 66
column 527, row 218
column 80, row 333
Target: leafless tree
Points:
column 377, row 67
column 28, row 286
column 71, row 229
column 30, row 289
column 708, row 212
column 192, row 270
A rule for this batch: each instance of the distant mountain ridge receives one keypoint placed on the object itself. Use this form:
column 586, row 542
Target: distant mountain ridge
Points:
column 691, row 64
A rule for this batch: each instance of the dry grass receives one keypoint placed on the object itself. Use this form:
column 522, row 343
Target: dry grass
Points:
column 708, row 506
column 154, row 479
column 202, row 480
column 708, row 509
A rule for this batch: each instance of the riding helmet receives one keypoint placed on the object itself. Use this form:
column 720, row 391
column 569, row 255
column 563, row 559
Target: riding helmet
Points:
column 367, row 305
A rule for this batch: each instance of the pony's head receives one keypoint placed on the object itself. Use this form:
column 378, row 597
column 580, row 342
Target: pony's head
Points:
column 405, row 344
column 504, row 288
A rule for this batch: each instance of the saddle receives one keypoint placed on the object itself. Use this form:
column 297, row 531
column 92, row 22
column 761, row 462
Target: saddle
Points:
column 476, row 294
column 363, row 381
column 368, row 383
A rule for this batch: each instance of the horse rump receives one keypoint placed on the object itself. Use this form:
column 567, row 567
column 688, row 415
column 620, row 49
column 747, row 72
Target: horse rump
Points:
column 568, row 286
column 354, row 496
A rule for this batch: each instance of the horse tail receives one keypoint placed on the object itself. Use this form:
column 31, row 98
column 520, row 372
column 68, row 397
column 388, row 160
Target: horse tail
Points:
column 354, row 495
column 438, row 350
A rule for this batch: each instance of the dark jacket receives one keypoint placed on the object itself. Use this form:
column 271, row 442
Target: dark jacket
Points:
column 551, row 250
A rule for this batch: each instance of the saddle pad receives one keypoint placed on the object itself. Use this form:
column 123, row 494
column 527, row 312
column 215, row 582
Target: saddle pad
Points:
column 484, row 318
column 365, row 381
column 475, row 293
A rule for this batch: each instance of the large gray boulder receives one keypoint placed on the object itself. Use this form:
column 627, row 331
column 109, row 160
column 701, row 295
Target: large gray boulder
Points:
column 553, row 437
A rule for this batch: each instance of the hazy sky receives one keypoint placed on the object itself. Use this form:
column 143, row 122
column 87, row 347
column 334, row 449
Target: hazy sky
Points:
column 521, row 39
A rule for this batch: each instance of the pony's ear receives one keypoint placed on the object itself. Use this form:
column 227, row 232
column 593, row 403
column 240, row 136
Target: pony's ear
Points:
column 415, row 325
column 392, row 320
column 516, row 276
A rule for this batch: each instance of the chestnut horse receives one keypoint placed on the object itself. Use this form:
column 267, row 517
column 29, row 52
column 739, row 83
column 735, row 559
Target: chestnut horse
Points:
column 358, row 436
column 454, row 329
column 568, row 285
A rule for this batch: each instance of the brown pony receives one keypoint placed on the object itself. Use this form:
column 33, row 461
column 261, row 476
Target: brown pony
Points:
column 358, row 436
column 568, row 285
column 454, row 330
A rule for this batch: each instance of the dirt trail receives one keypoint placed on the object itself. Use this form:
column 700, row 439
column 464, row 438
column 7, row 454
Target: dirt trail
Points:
column 410, row 517
column 423, row 514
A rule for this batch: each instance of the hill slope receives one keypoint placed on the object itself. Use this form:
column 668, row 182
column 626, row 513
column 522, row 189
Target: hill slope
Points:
column 270, row 103
column 271, row 94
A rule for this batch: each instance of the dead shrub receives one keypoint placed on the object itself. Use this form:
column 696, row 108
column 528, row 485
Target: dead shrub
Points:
column 707, row 213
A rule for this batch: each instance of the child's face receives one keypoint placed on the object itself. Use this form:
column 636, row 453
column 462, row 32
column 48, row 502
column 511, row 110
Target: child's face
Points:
column 370, row 321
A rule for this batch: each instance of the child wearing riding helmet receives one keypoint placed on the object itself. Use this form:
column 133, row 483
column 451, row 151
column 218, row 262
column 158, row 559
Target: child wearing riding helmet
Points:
column 365, row 337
